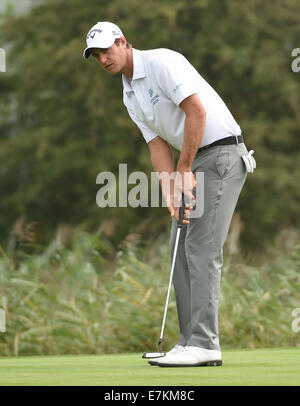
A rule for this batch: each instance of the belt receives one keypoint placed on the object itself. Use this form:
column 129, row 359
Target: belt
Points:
column 234, row 139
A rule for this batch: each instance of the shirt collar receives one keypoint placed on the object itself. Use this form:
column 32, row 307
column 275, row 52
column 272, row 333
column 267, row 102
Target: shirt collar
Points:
column 138, row 69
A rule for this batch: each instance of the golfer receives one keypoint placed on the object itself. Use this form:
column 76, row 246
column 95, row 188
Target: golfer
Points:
column 174, row 106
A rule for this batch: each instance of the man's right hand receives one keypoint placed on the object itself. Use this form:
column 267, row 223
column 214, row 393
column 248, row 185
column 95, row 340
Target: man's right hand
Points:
column 163, row 163
column 174, row 208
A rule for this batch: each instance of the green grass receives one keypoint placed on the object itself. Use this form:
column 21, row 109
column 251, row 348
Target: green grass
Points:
column 260, row 367
column 65, row 300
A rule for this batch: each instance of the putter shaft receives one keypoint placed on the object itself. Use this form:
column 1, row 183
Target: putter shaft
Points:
column 180, row 220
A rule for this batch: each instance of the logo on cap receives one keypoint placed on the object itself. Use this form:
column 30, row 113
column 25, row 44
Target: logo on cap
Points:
column 93, row 32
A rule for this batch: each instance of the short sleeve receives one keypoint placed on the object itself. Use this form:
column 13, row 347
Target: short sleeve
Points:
column 175, row 75
column 147, row 133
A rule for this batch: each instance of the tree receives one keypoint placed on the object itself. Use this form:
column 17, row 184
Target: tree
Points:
column 62, row 120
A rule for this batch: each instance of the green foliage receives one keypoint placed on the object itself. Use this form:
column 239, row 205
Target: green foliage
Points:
column 73, row 300
column 62, row 120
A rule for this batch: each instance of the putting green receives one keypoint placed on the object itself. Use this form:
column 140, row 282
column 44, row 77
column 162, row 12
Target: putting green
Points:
column 270, row 367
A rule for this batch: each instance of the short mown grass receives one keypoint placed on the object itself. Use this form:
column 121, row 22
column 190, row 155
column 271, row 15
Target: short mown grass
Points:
column 262, row 367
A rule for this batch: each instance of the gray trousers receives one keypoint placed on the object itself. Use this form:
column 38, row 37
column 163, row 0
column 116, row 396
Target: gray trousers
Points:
column 197, row 271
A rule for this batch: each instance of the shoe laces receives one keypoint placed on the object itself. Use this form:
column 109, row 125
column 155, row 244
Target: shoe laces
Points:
column 176, row 347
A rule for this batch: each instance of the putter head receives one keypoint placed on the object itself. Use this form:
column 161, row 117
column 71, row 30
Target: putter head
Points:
column 148, row 355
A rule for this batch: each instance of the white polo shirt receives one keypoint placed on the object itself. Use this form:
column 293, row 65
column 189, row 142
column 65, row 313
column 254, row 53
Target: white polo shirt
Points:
column 161, row 80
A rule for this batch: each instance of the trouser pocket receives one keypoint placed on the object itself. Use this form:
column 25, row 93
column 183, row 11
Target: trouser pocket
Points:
column 222, row 162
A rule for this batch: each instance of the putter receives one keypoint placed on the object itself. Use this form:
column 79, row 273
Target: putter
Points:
column 160, row 353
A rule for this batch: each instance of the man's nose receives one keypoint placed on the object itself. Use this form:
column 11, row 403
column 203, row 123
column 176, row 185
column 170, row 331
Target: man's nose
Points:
column 102, row 59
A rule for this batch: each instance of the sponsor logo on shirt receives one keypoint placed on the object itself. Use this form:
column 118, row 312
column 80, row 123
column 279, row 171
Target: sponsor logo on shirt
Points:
column 153, row 99
column 177, row 87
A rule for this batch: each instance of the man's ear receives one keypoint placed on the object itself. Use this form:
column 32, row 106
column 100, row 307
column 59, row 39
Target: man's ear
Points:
column 123, row 41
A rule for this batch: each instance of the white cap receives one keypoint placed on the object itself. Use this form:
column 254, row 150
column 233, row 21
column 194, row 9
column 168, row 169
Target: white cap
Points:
column 101, row 35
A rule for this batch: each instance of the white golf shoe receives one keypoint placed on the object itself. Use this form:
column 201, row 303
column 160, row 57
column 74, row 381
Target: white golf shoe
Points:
column 191, row 356
column 175, row 350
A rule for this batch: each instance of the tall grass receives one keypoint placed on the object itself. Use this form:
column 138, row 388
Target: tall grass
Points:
column 73, row 300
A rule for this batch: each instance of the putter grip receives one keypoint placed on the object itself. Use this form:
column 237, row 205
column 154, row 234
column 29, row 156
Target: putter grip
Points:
column 181, row 211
